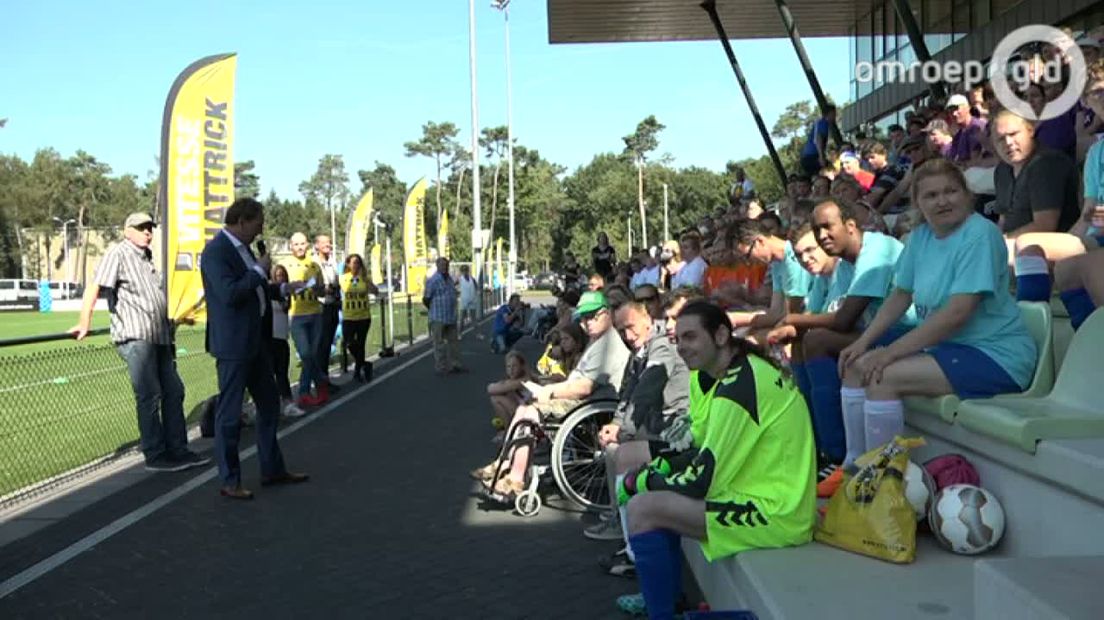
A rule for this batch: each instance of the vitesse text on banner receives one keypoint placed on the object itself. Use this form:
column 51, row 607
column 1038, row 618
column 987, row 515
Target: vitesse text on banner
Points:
column 360, row 222
column 414, row 238
column 197, row 174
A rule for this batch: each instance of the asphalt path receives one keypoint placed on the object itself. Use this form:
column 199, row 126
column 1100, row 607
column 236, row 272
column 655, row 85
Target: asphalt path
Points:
column 389, row 526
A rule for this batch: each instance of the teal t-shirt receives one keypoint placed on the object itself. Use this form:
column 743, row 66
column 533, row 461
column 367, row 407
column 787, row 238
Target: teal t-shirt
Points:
column 1094, row 167
column 971, row 260
column 873, row 276
column 828, row 290
column 1094, row 170
column 817, row 298
column 788, row 276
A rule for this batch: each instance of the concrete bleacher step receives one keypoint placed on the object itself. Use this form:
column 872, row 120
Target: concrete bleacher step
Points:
column 1054, row 505
column 822, row 582
column 1030, row 588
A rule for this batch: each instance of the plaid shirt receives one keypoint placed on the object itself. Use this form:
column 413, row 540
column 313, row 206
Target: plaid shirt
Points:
column 441, row 292
column 141, row 310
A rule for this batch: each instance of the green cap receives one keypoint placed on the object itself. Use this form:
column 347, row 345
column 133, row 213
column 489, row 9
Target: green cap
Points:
column 589, row 303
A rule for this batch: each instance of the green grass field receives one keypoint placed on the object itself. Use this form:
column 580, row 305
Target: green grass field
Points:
column 20, row 324
column 64, row 403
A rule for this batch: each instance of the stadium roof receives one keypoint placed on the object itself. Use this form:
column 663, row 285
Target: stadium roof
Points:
column 617, row 21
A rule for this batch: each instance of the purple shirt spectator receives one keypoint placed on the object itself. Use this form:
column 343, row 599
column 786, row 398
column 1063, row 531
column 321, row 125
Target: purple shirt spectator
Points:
column 1059, row 133
column 967, row 142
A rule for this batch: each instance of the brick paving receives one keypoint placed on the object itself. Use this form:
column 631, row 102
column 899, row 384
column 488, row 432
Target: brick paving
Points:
column 388, row 527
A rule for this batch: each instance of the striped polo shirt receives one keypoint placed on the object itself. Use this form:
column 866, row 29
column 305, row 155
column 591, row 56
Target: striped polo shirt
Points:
column 141, row 310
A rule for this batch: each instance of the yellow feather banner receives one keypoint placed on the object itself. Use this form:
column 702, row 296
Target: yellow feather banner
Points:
column 414, row 238
column 197, row 175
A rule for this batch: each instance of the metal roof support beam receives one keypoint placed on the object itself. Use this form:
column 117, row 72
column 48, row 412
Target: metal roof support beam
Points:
column 806, row 66
column 916, row 39
column 710, row 7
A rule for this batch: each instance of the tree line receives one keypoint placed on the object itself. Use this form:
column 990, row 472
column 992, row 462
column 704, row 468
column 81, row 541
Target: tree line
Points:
column 556, row 209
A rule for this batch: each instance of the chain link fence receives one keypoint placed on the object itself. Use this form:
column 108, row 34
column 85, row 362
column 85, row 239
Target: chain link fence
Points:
column 68, row 409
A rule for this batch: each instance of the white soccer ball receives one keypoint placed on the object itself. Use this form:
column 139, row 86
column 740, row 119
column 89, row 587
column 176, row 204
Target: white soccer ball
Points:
column 966, row 519
column 919, row 490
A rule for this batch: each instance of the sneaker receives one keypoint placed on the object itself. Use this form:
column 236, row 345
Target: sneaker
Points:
column 291, row 410
column 619, row 564
column 165, row 464
column 604, row 530
column 306, row 400
column 190, row 459
column 828, row 486
column 826, row 471
column 632, row 604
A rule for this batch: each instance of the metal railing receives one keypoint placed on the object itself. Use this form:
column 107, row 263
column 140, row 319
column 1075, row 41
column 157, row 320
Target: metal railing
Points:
column 68, row 409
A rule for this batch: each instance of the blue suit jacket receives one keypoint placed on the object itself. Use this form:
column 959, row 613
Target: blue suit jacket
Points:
column 235, row 325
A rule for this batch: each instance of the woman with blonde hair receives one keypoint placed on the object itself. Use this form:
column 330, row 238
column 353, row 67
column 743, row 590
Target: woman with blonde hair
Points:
column 970, row 341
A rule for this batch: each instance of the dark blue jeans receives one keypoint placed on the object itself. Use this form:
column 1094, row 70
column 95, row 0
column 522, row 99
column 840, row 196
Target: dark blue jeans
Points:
column 503, row 342
column 157, row 390
column 306, row 331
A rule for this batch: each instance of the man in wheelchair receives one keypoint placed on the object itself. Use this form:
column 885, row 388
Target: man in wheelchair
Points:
column 602, row 363
column 749, row 484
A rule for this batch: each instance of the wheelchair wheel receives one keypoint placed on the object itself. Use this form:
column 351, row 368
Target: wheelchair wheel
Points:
column 527, row 503
column 578, row 462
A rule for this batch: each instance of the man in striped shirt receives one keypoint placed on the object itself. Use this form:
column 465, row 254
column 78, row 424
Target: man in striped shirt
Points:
column 143, row 336
column 440, row 298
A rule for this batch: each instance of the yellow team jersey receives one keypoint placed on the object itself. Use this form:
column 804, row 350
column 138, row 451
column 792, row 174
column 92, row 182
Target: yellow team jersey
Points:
column 305, row 302
column 548, row 366
column 355, row 303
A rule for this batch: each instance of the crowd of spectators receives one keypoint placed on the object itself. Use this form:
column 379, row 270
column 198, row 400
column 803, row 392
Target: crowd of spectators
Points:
column 759, row 353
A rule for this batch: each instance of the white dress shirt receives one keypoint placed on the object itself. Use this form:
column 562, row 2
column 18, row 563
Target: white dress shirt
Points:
column 247, row 257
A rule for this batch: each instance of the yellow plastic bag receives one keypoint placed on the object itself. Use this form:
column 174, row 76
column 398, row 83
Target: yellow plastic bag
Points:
column 869, row 513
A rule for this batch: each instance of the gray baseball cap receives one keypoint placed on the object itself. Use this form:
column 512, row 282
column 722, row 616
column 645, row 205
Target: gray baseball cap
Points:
column 134, row 220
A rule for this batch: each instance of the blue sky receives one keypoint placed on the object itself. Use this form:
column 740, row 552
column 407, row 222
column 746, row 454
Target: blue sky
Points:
column 360, row 78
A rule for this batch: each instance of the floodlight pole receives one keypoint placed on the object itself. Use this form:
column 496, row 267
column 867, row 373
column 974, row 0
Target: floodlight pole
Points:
column 477, row 207
column 666, row 228
column 504, row 6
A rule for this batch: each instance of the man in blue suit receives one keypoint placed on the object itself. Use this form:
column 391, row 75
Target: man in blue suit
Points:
column 239, row 323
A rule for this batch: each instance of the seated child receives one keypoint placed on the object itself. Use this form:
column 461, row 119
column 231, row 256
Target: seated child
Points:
column 507, row 394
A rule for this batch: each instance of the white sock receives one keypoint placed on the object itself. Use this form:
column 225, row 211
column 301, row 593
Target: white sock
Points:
column 885, row 419
column 854, row 422
column 623, row 512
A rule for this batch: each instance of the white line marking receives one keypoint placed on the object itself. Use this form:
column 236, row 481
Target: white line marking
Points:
column 61, row 557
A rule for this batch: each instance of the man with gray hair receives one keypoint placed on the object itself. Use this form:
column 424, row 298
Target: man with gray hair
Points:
column 440, row 298
column 143, row 336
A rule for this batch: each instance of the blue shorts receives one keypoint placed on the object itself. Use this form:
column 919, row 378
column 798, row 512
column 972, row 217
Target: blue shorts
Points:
column 1100, row 240
column 971, row 372
column 892, row 335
